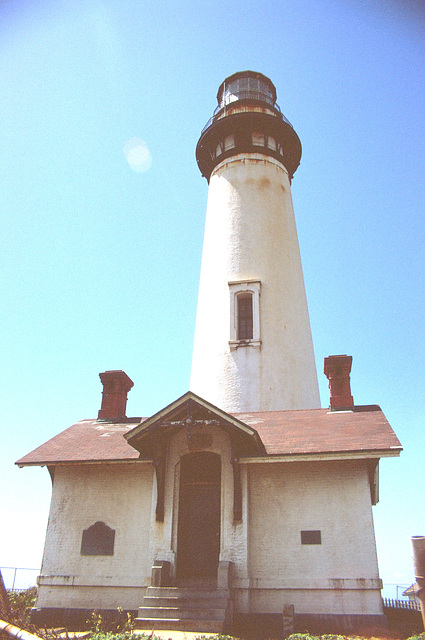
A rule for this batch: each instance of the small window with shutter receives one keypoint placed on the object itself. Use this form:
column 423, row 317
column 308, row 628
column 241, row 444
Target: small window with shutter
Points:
column 244, row 314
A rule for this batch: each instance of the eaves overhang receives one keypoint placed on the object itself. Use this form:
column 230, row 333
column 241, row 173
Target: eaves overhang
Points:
column 68, row 463
column 371, row 454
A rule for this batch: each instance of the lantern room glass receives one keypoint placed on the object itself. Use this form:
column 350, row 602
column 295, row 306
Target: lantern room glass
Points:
column 246, row 88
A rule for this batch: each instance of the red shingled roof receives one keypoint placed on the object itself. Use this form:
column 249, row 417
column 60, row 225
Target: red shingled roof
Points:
column 308, row 432
column 323, row 431
column 87, row 440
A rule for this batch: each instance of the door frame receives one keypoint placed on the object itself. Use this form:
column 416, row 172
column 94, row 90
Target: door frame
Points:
column 183, row 570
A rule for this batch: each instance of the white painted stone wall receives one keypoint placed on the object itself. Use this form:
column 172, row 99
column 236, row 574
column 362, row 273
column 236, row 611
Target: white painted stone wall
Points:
column 119, row 495
column 250, row 234
column 272, row 568
column 338, row 576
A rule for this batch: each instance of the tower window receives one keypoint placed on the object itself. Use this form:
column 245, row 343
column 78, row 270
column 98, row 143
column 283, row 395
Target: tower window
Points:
column 229, row 143
column 244, row 314
column 271, row 143
column 258, row 139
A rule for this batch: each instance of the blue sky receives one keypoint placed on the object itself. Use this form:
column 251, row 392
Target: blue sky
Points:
column 100, row 263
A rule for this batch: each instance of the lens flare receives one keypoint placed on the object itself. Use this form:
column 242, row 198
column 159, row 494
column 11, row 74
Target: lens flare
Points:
column 137, row 155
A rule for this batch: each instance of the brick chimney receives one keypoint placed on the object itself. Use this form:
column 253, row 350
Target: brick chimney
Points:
column 116, row 385
column 337, row 370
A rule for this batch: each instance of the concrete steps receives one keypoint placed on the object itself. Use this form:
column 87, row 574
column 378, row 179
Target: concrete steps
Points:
column 185, row 609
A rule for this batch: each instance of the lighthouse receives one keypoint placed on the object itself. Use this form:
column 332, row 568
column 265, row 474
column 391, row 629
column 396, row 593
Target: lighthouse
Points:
column 253, row 349
column 241, row 500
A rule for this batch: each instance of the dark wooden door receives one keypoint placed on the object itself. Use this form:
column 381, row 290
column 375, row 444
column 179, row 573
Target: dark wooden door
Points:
column 198, row 543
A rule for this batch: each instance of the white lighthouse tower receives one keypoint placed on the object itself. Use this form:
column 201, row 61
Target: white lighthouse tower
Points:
column 253, row 349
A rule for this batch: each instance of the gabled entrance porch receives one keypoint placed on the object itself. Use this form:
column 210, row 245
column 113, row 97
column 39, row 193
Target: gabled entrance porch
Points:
column 198, row 513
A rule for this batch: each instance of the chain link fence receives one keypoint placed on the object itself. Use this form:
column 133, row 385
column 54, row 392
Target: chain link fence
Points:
column 19, row 578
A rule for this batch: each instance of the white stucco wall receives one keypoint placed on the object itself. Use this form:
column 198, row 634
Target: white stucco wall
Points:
column 338, row 576
column 272, row 567
column 120, row 495
column 250, row 233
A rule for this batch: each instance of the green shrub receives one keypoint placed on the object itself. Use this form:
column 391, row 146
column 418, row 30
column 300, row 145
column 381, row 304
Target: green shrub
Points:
column 118, row 627
column 22, row 599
